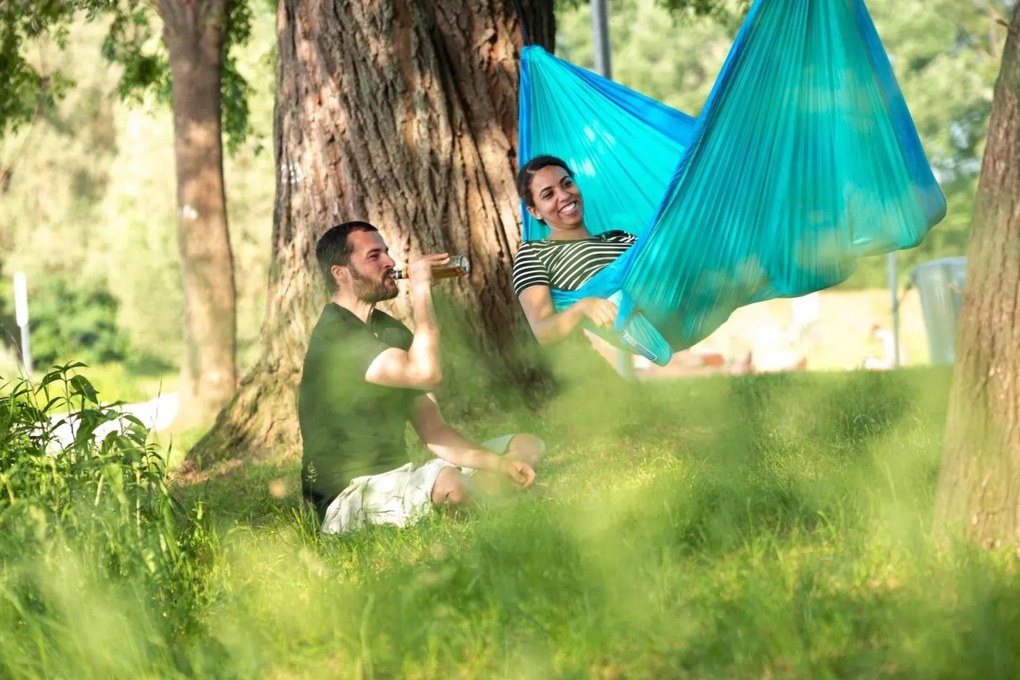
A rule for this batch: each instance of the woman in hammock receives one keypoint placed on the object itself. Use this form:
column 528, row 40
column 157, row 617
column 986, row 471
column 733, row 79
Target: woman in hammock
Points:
column 567, row 259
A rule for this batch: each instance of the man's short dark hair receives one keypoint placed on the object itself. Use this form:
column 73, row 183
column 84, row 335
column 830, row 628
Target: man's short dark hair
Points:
column 528, row 171
column 334, row 248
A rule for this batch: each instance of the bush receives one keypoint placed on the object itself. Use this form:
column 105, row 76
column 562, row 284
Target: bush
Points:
column 74, row 322
column 92, row 503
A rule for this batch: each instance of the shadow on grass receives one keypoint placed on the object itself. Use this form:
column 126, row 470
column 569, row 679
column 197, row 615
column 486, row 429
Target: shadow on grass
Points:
column 254, row 494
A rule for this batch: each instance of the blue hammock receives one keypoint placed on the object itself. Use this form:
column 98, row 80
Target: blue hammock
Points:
column 803, row 160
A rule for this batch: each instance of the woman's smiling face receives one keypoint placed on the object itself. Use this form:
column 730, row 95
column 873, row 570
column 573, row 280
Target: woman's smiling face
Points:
column 557, row 199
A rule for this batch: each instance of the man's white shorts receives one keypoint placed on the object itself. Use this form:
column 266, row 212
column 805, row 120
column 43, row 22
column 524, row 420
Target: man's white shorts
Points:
column 399, row 497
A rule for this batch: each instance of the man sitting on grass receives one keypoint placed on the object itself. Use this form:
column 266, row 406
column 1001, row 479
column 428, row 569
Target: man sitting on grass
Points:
column 365, row 375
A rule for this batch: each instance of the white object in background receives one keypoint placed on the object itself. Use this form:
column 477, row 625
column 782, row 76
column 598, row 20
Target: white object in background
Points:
column 806, row 309
column 804, row 314
column 21, row 317
column 20, row 299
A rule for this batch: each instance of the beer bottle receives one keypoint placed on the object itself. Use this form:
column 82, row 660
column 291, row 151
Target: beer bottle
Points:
column 459, row 265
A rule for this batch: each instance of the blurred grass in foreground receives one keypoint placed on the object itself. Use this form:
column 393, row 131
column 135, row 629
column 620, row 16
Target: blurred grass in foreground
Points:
column 761, row 526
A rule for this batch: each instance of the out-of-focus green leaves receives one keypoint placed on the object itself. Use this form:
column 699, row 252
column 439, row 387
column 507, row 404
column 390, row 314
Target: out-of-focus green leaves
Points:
column 75, row 321
column 25, row 90
column 132, row 43
column 87, row 193
column 946, row 55
column 235, row 91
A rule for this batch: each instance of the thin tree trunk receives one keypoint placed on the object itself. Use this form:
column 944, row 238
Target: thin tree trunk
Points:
column 193, row 31
column 979, row 485
column 402, row 113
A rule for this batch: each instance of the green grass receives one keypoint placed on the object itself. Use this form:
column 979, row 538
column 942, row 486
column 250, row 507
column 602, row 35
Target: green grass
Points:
column 771, row 526
column 119, row 382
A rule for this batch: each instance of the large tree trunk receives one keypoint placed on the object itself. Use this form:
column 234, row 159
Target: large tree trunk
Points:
column 193, row 31
column 402, row 113
column 979, row 485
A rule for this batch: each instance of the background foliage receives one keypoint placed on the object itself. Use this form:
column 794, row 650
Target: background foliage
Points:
column 87, row 184
column 90, row 194
column 78, row 319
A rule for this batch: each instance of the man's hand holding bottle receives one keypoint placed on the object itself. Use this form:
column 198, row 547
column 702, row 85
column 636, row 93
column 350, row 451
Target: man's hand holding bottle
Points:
column 440, row 266
column 419, row 272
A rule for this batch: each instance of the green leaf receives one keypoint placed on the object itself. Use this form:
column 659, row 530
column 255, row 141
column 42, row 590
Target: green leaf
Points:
column 82, row 387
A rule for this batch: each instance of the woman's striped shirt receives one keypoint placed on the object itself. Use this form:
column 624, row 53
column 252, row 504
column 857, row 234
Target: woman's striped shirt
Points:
column 567, row 265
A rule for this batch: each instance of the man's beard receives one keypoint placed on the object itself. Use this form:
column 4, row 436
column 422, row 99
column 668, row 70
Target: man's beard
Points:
column 371, row 290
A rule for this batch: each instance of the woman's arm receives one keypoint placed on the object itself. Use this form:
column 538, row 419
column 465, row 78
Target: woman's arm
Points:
column 550, row 326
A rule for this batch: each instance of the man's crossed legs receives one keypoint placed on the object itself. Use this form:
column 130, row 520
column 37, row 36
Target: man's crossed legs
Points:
column 402, row 496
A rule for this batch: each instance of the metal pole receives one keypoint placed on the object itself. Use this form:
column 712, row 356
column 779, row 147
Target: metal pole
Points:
column 600, row 37
column 894, row 293
column 604, row 67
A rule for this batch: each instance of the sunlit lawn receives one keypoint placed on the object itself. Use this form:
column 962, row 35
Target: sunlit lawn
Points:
column 771, row 526
column 114, row 382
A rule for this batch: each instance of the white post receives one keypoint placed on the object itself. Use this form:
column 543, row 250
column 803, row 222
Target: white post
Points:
column 21, row 317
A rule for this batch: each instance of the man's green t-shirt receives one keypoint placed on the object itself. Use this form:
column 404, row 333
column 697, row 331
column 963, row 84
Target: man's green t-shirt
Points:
column 350, row 427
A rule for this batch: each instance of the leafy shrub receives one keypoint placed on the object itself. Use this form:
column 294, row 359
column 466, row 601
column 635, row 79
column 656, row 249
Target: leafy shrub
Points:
column 102, row 498
column 74, row 321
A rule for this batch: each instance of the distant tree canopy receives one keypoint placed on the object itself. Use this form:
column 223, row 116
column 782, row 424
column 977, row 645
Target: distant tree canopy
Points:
column 33, row 88
column 95, row 175
column 25, row 89
column 192, row 65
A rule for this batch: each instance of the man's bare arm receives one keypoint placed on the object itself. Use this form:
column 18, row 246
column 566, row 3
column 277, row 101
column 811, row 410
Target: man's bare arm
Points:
column 453, row 447
column 418, row 367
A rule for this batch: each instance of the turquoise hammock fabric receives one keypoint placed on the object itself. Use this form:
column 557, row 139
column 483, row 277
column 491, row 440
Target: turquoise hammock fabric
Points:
column 803, row 160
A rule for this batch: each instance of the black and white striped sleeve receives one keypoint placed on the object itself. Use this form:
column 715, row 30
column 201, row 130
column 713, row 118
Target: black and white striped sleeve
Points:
column 528, row 269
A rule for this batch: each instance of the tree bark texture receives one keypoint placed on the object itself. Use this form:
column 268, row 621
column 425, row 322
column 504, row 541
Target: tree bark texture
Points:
column 193, row 32
column 979, row 484
column 402, row 113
